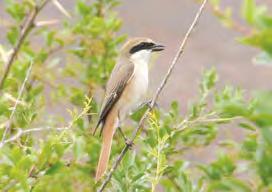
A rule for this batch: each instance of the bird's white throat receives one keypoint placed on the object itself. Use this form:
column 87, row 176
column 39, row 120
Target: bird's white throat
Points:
column 141, row 61
column 141, row 57
column 140, row 80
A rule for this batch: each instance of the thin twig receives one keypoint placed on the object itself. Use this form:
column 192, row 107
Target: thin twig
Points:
column 47, row 23
column 187, row 123
column 217, row 120
column 206, row 119
column 61, row 8
column 8, row 126
column 159, row 90
column 9, row 97
column 22, row 132
column 25, row 30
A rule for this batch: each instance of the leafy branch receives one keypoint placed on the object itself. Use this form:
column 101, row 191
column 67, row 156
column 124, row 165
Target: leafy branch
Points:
column 76, row 117
column 203, row 119
column 8, row 125
column 159, row 90
column 22, row 132
column 158, row 151
column 224, row 15
column 26, row 28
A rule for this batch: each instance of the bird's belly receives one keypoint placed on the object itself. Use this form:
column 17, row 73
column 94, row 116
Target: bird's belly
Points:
column 138, row 88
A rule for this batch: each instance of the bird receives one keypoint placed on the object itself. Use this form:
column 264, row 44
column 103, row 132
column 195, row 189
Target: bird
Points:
column 125, row 90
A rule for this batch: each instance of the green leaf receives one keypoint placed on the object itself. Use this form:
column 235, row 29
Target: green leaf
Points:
column 229, row 184
column 209, row 80
column 16, row 10
column 247, row 126
column 248, row 10
column 54, row 168
column 262, row 39
column 13, row 35
column 263, row 58
column 78, row 147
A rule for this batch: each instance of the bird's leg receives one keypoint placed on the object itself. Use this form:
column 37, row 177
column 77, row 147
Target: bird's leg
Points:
column 122, row 134
column 127, row 141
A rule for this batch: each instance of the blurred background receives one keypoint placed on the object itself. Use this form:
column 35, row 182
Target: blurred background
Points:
column 210, row 45
column 74, row 45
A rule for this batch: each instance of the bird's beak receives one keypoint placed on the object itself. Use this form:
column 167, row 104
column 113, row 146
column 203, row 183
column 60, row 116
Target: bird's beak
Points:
column 157, row 47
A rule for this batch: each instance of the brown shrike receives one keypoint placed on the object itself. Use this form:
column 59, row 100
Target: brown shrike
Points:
column 125, row 90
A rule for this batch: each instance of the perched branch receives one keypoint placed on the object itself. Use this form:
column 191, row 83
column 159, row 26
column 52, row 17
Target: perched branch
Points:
column 159, row 90
column 27, row 26
column 8, row 126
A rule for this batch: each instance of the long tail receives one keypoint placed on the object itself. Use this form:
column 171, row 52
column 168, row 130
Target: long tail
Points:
column 109, row 127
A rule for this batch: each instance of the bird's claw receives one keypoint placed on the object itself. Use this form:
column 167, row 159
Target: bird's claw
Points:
column 129, row 143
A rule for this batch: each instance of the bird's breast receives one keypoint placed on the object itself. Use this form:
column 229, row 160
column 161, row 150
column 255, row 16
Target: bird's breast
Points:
column 135, row 90
column 140, row 78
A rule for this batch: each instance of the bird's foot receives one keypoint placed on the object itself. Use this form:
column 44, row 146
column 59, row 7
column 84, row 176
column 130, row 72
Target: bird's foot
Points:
column 129, row 143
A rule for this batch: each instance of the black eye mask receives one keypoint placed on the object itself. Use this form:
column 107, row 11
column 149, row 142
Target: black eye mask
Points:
column 141, row 46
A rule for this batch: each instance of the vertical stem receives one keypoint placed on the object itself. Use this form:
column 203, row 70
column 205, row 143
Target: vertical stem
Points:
column 8, row 126
column 158, row 156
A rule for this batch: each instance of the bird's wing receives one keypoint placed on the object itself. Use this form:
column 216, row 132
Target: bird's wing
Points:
column 120, row 76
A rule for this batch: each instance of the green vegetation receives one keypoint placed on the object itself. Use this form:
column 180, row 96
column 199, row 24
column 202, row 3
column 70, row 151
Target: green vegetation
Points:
column 57, row 106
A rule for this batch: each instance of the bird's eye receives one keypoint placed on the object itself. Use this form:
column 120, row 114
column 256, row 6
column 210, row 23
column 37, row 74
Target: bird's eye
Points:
column 147, row 45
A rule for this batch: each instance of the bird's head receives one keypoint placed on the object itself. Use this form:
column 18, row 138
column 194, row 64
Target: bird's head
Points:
column 140, row 48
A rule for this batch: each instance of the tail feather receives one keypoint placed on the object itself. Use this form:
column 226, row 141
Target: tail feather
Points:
column 108, row 132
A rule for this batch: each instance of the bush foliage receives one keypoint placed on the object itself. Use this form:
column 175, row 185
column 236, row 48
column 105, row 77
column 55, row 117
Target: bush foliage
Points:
column 49, row 146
